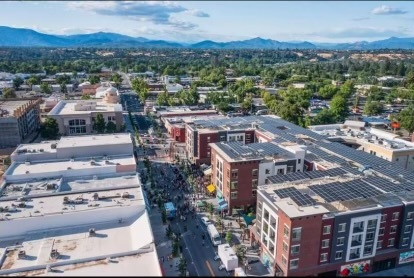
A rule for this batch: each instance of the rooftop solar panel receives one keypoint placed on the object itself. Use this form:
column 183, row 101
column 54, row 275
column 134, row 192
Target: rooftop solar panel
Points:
column 298, row 197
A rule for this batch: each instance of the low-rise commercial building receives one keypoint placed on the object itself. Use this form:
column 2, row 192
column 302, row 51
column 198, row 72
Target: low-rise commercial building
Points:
column 75, row 207
column 78, row 116
column 18, row 119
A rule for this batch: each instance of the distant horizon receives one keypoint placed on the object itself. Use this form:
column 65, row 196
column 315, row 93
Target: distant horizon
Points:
column 225, row 21
column 193, row 42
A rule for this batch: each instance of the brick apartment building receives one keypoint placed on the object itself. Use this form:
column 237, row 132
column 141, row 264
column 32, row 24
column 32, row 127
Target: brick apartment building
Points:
column 238, row 169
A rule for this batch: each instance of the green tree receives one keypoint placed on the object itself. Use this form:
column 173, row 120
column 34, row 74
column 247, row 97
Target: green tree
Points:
column 164, row 218
column 228, row 237
column 327, row 91
column 99, row 124
column 110, row 127
column 182, row 266
column 372, row 108
column 339, row 108
column 17, row 82
column 63, row 88
column 49, row 129
column 33, row 80
column 94, row 79
column 85, row 97
column 162, row 99
column 45, row 88
column 63, row 79
column 117, row 78
column 9, row 93
column 140, row 86
column 241, row 251
column 224, row 107
column 406, row 119
column 324, row 117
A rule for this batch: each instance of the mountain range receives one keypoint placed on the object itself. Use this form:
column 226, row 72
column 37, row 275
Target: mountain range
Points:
column 19, row 37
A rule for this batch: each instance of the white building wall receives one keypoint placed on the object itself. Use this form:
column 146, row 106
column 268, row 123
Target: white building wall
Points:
column 262, row 171
column 18, row 227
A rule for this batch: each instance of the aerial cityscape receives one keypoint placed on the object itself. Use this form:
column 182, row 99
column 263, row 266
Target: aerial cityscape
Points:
column 209, row 138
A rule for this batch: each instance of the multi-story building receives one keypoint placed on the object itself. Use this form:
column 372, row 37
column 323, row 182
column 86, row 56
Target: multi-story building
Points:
column 348, row 212
column 374, row 141
column 78, row 116
column 18, row 119
column 238, row 169
column 75, row 207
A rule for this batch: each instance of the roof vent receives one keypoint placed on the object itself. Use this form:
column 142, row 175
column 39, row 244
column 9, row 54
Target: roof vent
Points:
column 92, row 232
column 53, row 146
column 27, row 162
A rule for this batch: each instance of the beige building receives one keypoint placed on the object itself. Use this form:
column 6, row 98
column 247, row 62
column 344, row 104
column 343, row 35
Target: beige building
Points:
column 77, row 116
column 374, row 141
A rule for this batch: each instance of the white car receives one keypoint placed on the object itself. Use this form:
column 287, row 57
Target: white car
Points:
column 205, row 221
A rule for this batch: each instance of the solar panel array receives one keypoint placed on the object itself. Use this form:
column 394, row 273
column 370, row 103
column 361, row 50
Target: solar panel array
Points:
column 384, row 184
column 298, row 197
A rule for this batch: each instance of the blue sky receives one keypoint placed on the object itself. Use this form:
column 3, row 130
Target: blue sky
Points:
column 190, row 21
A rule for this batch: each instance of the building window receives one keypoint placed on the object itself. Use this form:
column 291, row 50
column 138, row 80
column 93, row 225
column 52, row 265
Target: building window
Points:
column 255, row 172
column 77, row 126
column 208, row 138
column 379, row 244
column 111, row 118
column 233, row 195
column 340, row 241
column 294, row 250
column 228, row 173
column 383, row 218
column 325, row 243
column 369, row 236
column 395, row 216
column 208, row 154
column 407, row 229
column 294, row 264
column 286, row 231
column 338, row 255
column 284, row 261
column 327, row 229
column 393, row 229
column 266, row 181
column 234, row 174
column 372, row 224
column 410, row 214
column 299, row 161
column 367, row 250
column 342, row 227
column 296, row 233
column 267, row 171
column 324, row 257
column 254, row 192
column 391, row 242
column 254, row 183
column 285, row 246
column 381, row 231
column 405, row 241
column 234, row 185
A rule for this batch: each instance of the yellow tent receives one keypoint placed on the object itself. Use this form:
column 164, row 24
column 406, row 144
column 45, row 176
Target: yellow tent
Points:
column 211, row 188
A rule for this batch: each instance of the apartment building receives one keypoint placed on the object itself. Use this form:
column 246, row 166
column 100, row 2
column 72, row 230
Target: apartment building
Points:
column 60, row 198
column 78, row 116
column 374, row 141
column 238, row 169
column 18, row 119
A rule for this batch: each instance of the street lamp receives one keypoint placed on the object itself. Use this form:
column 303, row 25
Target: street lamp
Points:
column 246, row 263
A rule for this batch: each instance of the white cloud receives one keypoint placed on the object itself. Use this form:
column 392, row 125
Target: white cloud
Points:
column 387, row 10
column 157, row 12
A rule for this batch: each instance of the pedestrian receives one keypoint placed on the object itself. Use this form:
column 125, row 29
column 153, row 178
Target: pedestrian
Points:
column 162, row 258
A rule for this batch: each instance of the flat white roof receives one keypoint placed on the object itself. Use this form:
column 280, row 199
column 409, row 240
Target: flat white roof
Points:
column 94, row 140
column 65, row 107
column 45, row 167
column 49, row 205
column 129, row 244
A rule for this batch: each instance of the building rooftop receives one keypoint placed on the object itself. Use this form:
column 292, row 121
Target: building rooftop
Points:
column 81, row 198
column 236, row 151
column 93, row 140
column 8, row 107
column 73, row 107
column 355, row 131
column 83, row 254
column 166, row 111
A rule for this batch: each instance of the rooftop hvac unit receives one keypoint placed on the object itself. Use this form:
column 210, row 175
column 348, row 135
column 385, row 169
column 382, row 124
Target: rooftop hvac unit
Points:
column 92, row 232
column 54, row 254
column 27, row 162
column 53, row 146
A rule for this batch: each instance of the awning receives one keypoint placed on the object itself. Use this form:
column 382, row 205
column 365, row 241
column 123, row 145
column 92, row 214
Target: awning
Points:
column 222, row 204
column 219, row 195
column 248, row 219
column 211, row 188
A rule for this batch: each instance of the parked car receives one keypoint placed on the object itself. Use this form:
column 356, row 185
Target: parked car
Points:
column 205, row 221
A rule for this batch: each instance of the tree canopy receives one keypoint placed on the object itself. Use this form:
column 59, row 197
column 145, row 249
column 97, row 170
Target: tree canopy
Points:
column 49, row 129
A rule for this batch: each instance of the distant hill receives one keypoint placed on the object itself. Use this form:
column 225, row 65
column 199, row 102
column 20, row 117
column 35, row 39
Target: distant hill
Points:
column 19, row 37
